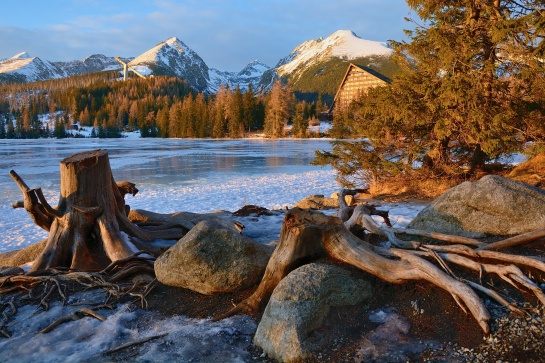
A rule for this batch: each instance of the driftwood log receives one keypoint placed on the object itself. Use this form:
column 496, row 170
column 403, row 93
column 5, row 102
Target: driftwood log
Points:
column 88, row 229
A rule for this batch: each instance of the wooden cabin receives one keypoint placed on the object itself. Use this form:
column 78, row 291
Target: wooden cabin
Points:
column 357, row 80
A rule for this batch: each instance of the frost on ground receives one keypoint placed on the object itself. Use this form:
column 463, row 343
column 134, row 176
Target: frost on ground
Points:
column 181, row 339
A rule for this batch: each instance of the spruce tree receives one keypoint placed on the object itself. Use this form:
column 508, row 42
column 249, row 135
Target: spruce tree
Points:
column 235, row 114
column 469, row 90
column 300, row 120
column 277, row 110
column 249, row 109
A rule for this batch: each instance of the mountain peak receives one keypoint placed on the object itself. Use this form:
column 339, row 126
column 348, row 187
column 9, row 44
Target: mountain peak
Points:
column 22, row 55
column 344, row 44
column 172, row 40
column 173, row 58
column 343, row 34
column 253, row 68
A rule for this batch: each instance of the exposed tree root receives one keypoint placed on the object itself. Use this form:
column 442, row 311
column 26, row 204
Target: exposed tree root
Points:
column 121, row 280
column 89, row 227
column 76, row 315
column 308, row 235
column 86, row 233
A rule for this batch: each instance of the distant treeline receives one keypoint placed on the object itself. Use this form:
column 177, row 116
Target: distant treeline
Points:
column 158, row 107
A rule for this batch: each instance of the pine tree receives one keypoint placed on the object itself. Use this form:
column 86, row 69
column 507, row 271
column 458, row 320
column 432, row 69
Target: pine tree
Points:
column 249, row 108
column 219, row 123
column 2, row 128
column 469, row 60
column 203, row 124
column 162, row 122
column 26, row 119
column 187, row 120
column 277, row 111
column 59, row 131
column 133, row 115
column 235, row 114
column 300, row 120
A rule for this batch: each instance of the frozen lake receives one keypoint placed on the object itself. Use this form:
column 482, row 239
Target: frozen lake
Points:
column 171, row 174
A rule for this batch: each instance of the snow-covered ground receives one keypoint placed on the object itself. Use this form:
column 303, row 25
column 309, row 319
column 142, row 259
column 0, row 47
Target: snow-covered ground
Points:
column 172, row 175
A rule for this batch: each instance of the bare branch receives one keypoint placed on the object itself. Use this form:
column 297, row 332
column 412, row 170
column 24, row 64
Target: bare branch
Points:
column 136, row 342
column 440, row 236
column 48, row 209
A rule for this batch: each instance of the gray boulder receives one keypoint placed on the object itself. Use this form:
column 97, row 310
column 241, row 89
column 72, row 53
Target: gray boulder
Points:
column 211, row 258
column 299, row 305
column 349, row 199
column 492, row 205
column 318, row 201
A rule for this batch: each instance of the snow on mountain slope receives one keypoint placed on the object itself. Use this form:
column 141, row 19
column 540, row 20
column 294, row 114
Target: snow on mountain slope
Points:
column 251, row 74
column 24, row 68
column 93, row 63
column 29, row 69
column 173, row 58
column 341, row 44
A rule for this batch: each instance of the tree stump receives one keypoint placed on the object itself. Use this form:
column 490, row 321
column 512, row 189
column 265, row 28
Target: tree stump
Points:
column 85, row 232
column 86, row 228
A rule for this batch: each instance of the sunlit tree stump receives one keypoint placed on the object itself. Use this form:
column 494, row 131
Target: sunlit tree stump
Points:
column 89, row 227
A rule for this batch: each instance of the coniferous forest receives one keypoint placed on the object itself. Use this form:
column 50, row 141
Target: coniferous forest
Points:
column 157, row 106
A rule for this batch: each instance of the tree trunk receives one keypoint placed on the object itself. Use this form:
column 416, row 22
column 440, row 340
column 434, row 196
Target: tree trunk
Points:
column 86, row 229
column 85, row 233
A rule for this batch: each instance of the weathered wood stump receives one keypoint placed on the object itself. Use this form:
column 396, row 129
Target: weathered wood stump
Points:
column 86, row 228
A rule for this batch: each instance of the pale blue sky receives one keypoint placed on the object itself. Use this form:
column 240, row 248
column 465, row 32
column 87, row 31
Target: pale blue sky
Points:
column 226, row 34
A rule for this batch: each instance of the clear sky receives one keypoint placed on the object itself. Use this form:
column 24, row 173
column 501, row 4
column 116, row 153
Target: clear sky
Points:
column 226, row 34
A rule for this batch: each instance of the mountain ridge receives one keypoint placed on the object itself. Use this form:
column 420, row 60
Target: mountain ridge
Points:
column 173, row 57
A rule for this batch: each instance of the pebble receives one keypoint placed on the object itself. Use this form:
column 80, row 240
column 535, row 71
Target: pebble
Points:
column 509, row 336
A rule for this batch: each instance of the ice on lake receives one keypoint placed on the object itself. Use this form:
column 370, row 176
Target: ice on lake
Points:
column 172, row 175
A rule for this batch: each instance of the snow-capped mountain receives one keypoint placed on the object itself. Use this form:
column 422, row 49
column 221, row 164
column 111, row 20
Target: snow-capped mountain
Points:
column 93, row 63
column 173, row 58
column 251, row 74
column 343, row 44
column 24, row 68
